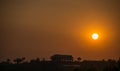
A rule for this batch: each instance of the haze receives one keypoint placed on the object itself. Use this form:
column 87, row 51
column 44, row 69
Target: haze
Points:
column 41, row 28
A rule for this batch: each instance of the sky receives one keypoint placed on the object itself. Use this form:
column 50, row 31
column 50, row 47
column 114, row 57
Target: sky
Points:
column 41, row 28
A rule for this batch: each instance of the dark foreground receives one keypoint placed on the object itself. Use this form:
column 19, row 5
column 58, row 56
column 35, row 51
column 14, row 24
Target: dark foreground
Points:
column 62, row 66
column 59, row 63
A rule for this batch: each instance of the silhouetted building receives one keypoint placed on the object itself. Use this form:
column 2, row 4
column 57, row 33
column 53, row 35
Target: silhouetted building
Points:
column 63, row 58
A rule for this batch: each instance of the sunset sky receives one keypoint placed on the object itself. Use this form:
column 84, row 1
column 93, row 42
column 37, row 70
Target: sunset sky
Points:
column 41, row 28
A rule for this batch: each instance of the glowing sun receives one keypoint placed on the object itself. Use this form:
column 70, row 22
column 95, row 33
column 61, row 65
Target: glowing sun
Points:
column 95, row 36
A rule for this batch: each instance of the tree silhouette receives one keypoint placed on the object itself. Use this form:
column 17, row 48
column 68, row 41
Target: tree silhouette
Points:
column 118, row 63
column 19, row 60
column 8, row 61
column 37, row 59
column 79, row 59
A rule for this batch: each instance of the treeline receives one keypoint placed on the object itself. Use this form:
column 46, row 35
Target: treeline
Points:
column 20, row 64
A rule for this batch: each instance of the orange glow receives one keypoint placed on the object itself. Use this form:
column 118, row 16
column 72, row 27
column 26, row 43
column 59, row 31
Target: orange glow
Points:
column 95, row 36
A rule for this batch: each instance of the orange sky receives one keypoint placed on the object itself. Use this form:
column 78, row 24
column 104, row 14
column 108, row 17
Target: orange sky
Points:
column 41, row 28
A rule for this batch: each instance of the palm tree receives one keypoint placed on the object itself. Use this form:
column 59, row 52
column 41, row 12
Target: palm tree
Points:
column 8, row 61
column 79, row 59
column 19, row 60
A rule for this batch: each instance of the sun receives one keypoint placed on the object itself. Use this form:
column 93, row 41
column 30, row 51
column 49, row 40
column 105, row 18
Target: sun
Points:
column 95, row 36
